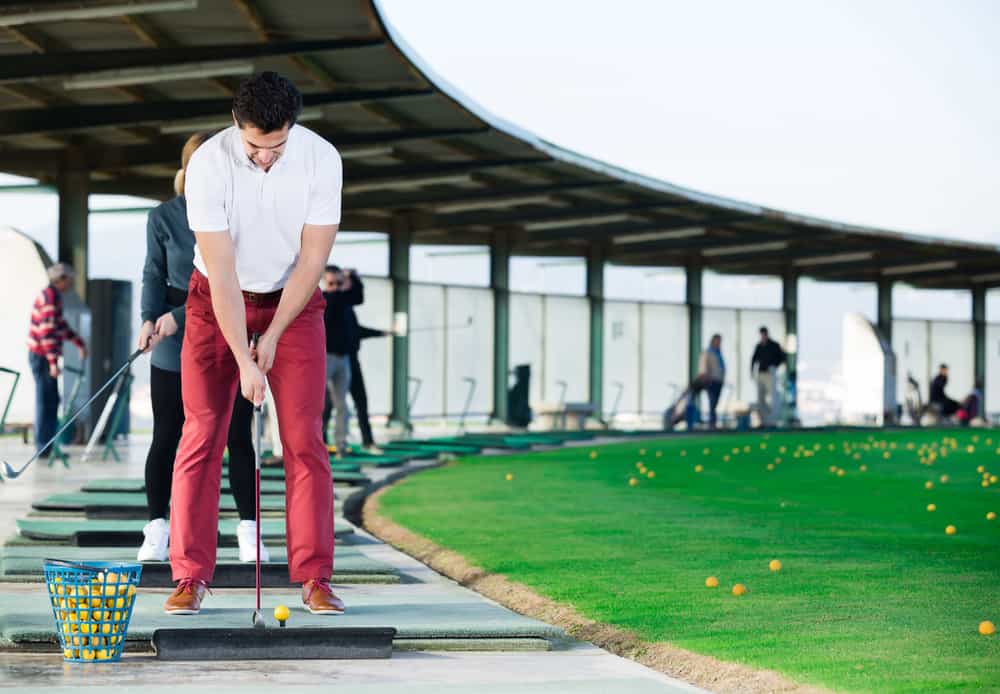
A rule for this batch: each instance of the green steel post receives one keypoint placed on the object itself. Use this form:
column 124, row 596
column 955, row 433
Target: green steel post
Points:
column 692, row 298
column 790, row 307
column 500, row 284
column 979, row 340
column 595, row 294
column 73, row 183
column 400, row 238
column 884, row 288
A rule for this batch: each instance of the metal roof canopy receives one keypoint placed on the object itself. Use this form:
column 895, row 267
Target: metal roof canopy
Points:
column 113, row 86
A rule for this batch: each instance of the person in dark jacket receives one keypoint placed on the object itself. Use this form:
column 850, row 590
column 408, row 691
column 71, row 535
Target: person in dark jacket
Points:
column 342, row 291
column 165, row 277
column 938, row 399
column 767, row 357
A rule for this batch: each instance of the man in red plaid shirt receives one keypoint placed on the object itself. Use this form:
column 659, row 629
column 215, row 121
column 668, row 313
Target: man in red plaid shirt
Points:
column 45, row 341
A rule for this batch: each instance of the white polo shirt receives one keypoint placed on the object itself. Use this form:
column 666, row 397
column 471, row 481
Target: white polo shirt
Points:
column 264, row 212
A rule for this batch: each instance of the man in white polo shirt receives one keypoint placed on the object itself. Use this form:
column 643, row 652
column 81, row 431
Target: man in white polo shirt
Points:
column 263, row 199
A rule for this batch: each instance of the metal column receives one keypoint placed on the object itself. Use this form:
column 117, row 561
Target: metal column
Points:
column 790, row 307
column 500, row 284
column 884, row 287
column 400, row 238
column 692, row 298
column 979, row 341
column 73, row 184
column 595, row 295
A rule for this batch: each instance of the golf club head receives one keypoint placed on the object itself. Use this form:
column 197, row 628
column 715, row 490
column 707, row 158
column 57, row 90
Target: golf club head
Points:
column 258, row 620
column 9, row 472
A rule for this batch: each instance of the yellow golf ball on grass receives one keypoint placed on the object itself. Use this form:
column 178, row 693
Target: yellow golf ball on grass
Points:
column 281, row 614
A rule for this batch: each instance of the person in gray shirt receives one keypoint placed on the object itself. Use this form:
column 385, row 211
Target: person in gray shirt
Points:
column 165, row 277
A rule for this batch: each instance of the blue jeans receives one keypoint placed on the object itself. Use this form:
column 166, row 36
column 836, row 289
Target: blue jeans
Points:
column 714, row 389
column 46, row 401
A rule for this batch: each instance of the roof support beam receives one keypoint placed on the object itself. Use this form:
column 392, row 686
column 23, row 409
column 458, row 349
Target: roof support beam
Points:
column 69, row 118
column 485, row 197
column 538, row 221
column 74, row 63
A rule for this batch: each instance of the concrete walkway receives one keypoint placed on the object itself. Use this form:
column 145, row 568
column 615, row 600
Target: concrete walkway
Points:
column 569, row 666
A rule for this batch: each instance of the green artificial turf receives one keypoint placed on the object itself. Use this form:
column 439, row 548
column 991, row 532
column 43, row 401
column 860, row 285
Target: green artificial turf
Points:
column 872, row 596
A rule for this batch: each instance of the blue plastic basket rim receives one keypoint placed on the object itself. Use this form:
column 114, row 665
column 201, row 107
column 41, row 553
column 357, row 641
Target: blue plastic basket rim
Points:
column 92, row 566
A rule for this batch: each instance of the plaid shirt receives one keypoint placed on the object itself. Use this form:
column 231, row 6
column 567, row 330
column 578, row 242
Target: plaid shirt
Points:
column 48, row 327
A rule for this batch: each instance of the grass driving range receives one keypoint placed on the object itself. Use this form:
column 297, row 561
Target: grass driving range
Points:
column 872, row 594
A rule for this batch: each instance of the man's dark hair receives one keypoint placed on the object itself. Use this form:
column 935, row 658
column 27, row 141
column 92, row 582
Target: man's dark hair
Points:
column 268, row 102
column 331, row 268
column 943, row 366
column 763, row 330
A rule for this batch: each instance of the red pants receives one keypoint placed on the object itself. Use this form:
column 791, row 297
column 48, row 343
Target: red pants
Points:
column 209, row 381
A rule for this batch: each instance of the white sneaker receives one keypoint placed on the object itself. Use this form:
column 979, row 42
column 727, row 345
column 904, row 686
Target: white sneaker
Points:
column 246, row 534
column 157, row 539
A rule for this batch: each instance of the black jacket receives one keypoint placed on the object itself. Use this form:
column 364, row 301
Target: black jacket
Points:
column 767, row 354
column 342, row 334
column 937, row 389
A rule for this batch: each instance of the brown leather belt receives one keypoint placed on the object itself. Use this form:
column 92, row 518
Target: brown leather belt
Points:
column 259, row 299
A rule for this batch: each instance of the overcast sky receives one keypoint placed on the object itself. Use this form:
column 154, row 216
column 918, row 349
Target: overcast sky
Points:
column 881, row 113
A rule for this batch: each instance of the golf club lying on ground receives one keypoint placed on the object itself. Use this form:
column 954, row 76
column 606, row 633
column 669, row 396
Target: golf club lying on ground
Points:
column 10, row 473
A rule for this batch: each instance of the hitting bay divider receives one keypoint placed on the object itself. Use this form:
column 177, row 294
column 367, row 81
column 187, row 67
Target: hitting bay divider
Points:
column 136, row 486
column 24, row 565
column 129, row 505
column 109, row 533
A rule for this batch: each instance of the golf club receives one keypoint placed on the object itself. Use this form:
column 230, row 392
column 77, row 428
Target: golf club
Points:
column 445, row 327
column 10, row 473
column 258, row 428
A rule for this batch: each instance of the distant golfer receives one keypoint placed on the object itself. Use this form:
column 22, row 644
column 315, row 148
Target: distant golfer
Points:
column 263, row 199
column 767, row 357
column 45, row 343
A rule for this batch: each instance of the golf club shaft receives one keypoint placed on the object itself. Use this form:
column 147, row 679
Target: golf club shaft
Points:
column 135, row 355
column 449, row 326
column 258, row 425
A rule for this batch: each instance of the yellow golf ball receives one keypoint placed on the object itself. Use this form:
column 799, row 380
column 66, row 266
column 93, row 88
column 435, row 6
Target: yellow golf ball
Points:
column 931, row 507
column 281, row 613
column 991, row 515
column 632, row 481
column 711, row 582
column 950, row 530
column 775, row 565
column 509, row 477
column 698, row 468
column 739, row 589
column 986, row 628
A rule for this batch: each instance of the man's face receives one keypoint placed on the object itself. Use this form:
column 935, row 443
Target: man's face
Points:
column 62, row 284
column 263, row 149
column 331, row 281
column 763, row 336
column 716, row 343
column 944, row 372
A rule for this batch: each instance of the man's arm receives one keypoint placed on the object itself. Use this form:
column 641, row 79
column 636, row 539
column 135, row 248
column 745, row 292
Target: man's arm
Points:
column 755, row 358
column 317, row 242
column 219, row 254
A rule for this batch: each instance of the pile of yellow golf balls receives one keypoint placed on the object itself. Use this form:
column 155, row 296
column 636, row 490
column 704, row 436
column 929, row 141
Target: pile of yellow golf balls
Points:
column 92, row 617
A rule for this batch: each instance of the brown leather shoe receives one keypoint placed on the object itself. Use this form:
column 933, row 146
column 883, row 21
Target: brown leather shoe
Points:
column 318, row 597
column 187, row 597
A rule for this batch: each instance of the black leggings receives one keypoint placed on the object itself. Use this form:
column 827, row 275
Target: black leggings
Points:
column 360, row 397
column 168, row 420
